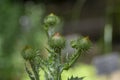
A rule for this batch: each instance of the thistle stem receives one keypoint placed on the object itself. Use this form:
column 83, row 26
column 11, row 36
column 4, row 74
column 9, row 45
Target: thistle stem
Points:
column 35, row 70
column 29, row 73
column 57, row 66
column 72, row 60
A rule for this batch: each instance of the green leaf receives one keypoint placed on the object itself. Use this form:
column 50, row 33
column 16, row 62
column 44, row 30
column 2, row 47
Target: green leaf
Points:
column 76, row 78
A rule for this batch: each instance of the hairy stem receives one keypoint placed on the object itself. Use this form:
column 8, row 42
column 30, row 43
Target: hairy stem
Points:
column 72, row 60
column 29, row 73
column 57, row 66
column 35, row 70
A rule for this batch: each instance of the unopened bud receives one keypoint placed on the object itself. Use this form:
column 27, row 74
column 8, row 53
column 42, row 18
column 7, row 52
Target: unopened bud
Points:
column 51, row 20
column 57, row 41
column 28, row 53
column 82, row 43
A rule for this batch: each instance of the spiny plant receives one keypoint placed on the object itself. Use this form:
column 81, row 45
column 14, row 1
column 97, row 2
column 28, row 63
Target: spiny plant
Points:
column 53, row 65
column 76, row 78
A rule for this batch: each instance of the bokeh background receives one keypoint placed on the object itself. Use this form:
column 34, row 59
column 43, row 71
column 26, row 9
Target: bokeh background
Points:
column 21, row 24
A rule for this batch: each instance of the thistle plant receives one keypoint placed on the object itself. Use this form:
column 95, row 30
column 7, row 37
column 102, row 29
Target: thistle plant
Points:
column 53, row 65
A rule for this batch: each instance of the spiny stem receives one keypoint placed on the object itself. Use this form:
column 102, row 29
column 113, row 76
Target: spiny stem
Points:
column 57, row 66
column 29, row 73
column 72, row 60
column 35, row 70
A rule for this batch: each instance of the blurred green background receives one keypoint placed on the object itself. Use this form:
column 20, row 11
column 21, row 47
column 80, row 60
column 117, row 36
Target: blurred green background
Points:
column 21, row 24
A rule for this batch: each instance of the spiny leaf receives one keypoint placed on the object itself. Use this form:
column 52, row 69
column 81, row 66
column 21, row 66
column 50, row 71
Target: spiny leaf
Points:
column 75, row 78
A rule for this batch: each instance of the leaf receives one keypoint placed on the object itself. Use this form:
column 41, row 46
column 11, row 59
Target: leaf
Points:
column 76, row 78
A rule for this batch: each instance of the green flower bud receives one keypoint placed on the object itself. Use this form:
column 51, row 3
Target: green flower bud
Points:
column 51, row 20
column 28, row 53
column 81, row 43
column 57, row 41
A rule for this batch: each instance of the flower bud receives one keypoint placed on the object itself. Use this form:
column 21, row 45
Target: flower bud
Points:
column 81, row 43
column 51, row 20
column 57, row 41
column 28, row 53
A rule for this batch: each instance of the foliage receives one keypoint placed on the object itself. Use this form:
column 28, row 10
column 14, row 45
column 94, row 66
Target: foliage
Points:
column 53, row 65
column 76, row 78
column 9, row 34
column 19, row 25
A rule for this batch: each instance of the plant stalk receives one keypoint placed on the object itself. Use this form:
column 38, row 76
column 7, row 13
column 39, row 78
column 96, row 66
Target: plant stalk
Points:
column 57, row 66
column 35, row 70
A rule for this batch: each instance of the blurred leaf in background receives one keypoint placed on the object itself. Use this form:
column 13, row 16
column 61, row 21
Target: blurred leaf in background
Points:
column 31, row 23
column 19, row 25
column 9, row 32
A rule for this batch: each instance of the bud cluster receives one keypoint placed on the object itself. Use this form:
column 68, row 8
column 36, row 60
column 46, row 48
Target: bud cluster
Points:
column 53, row 65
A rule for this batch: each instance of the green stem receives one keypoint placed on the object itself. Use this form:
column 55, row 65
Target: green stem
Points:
column 35, row 70
column 72, row 60
column 57, row 66
column 29, row 73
